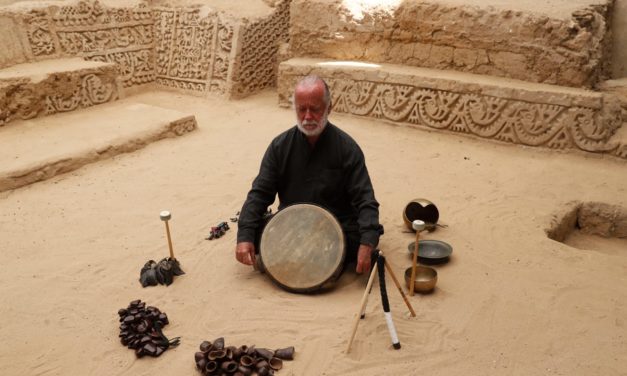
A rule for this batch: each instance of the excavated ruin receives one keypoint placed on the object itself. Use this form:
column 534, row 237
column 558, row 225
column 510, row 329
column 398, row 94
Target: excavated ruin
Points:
column 544, row 76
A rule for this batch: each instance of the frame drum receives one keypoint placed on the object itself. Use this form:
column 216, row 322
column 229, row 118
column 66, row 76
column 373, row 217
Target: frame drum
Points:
column 302, row 248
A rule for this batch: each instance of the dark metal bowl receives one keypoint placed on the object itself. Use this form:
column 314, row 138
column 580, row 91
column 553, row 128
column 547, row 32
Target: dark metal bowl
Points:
column 432, row 251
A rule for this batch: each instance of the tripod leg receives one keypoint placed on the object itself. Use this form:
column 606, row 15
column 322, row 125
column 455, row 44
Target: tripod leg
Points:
column 400, row 289
column 364, row 301
column 373, row 261
column 386, row 304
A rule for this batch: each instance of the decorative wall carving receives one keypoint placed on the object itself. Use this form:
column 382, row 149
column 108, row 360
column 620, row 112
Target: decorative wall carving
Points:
column 120, row 35
column 22, row 99
column 515, row 121
column 260, row 46
column 93, row 90
column 134, row 67
column 176, row 47
column 89, row 41
column 199, row 87
column 39, row 35
column 192, row 53
column 182, row 126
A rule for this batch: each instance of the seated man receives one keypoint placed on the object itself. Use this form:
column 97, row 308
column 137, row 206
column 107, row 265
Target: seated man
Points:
column 314, row 162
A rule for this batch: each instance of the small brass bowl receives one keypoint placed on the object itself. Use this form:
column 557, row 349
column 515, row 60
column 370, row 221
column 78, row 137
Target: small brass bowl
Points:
column 426, row 278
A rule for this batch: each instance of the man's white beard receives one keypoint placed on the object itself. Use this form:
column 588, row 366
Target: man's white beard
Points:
column 314, row 132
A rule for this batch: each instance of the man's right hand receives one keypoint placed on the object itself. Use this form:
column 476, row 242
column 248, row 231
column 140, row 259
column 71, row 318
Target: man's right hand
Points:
column 245, row 253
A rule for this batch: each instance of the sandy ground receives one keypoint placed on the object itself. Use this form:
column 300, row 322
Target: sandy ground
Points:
column 510, row 302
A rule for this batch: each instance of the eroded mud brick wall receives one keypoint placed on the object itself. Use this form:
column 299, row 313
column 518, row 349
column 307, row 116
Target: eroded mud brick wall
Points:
column 527, row 46
column 123, row 36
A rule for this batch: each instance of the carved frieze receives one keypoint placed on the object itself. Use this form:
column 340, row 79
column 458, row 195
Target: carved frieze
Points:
column 89, row 13
column 89, row 29
column 504, row 119
column 199, row 87
column 89, row 41
column 40, row 37
column 183, row 47
column 23, row 99
column 134, row 67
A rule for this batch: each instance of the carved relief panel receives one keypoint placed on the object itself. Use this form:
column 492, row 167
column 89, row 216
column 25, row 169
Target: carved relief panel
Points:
column 192, row 52
column 260, row 46
column 88, row 29
column 556, row 126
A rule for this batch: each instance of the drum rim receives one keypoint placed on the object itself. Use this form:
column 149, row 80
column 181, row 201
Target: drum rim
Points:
column 328, row 279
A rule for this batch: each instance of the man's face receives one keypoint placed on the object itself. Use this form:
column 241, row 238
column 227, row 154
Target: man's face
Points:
column 311, row 110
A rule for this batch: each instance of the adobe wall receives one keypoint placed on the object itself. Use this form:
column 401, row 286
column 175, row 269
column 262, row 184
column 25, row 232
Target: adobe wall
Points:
column 193, row 51
column 191, row 47
column 499, row 109
column 204, row 52
column 569, row 51
column 88, row 29
column 619, row 34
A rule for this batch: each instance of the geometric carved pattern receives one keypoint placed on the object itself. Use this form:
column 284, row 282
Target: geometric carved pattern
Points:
column 510, row 120
column 260, row 46
column 87, row 29
column 39, row 34
column 192, row 53
column 182, row 48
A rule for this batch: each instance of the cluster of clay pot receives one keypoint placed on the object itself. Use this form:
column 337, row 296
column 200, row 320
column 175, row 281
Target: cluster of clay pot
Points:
column 216, row 359
column 140, row 329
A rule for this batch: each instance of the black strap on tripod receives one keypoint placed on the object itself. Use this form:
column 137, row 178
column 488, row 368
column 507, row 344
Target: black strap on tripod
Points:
column 384, row 292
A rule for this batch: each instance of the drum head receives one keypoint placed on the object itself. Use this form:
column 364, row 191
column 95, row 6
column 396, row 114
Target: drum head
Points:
column 302, row 247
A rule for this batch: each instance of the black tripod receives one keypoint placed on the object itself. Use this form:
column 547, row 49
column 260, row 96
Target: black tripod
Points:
column 380, row 264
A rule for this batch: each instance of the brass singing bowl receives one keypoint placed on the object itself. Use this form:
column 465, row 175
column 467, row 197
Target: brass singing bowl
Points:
column 425, row 280
column 421, row 209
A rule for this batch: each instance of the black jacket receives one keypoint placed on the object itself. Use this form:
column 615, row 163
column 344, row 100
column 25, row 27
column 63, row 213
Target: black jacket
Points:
column 332, row 174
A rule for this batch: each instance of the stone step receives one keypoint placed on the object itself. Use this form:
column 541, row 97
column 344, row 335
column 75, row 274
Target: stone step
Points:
column 489, row 107
column 39, row 149
column 47, row 87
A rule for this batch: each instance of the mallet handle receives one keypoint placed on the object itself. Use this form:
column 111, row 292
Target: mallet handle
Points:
column 167, row 230
column 412, row 281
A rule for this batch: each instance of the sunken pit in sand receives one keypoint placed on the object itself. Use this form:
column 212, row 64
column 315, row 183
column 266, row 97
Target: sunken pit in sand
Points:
column 591, row 225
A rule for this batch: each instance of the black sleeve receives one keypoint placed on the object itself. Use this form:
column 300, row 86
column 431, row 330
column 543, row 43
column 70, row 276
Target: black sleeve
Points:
column 261, row 195
column 362, row 198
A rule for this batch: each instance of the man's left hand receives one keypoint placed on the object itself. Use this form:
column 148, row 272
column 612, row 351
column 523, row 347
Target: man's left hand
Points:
column 364, row 258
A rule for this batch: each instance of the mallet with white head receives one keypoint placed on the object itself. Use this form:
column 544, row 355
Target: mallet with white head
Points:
column 165, row 217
